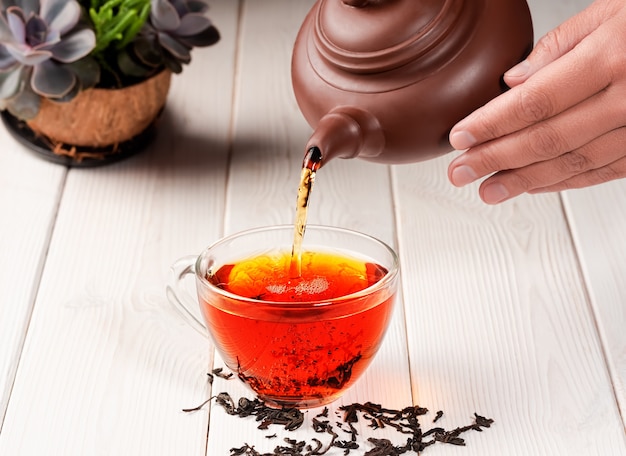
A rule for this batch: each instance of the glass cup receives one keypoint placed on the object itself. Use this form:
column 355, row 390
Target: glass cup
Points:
column 297, row 337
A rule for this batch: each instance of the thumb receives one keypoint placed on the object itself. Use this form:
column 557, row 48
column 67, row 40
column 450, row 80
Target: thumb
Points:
column 557, row 43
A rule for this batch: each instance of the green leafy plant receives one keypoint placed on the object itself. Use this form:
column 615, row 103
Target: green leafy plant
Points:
column 57, row 48
column 117, row 21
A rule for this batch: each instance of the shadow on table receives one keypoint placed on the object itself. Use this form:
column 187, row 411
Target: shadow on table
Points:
column 175, row 149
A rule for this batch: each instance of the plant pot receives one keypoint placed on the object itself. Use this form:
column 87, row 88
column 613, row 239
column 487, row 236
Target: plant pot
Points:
column 98, row 126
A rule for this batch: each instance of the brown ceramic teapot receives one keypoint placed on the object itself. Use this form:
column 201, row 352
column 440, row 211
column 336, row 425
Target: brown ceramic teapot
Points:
column 385, row 80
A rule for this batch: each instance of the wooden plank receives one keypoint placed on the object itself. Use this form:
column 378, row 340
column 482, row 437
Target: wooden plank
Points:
column 28, row 214
column 594, row 216
column 107, row 365
column 497, row 319
column 269, row 142
column 597, row 218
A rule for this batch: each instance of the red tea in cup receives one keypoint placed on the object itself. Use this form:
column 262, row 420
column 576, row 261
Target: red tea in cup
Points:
column 293, row 354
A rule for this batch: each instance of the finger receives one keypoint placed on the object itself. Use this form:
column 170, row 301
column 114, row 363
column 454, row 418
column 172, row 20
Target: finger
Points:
column 616, row 170
column 552, row 138
column 548, row 92
column 599, row 161
column 555, row 44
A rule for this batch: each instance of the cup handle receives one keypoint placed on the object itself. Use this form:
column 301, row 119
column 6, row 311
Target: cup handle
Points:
column 180, row 299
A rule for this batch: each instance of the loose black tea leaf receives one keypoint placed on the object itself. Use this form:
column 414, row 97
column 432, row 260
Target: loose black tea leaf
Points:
column 345, row 445
column 382, row 447
column 227, row 402
column 239, row 451
column 436, row 430
column 449, row 437
column 439, row 415
column 481, row 421
column 219, row 372
column 317, row 449
column 199, row 407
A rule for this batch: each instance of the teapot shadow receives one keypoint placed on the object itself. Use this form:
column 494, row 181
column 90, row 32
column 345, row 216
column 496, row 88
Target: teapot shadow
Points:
column 191, row 154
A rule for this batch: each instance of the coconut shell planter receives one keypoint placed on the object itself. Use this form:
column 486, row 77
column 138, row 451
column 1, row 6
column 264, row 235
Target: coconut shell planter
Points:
column 82, row 83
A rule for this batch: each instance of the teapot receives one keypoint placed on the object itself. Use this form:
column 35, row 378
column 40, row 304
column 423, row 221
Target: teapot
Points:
column 386, row 80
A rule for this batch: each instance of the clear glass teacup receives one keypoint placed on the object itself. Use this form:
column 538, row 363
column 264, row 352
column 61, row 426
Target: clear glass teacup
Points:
column 297, row 340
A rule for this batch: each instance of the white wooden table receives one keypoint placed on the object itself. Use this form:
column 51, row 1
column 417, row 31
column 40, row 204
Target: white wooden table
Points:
column 517, row 312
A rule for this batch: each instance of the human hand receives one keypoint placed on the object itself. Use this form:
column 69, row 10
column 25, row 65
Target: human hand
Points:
column 563, row 123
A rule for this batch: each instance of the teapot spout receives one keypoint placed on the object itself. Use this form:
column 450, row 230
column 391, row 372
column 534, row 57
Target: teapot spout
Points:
column 347, row 132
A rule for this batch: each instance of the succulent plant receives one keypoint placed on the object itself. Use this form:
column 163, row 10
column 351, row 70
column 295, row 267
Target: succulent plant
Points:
column 43, row 46
column 56, row 48
column 172, row 30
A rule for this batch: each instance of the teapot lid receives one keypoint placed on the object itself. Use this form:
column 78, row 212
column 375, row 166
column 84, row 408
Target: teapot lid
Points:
column 365, row 36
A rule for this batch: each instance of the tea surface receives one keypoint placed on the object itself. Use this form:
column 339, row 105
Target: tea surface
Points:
column 322, row 276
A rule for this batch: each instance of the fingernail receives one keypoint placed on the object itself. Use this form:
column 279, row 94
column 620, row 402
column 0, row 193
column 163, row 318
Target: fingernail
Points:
column 462, row 140
column 518, row 70
column 495, row 193
column 463, row 175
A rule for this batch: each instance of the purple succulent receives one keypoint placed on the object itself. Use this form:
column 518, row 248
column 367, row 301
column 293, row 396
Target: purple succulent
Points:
column 173, row 29
column 41, row 44
column 56, row 48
